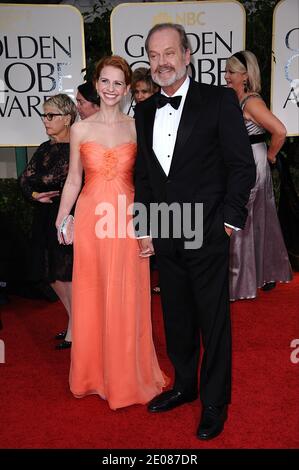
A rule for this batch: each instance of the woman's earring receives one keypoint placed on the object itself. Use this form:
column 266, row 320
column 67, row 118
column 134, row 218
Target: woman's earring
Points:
column 245, row 85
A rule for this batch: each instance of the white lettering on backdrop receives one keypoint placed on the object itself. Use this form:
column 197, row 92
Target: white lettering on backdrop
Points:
column 41, row 54
column 285, row 65
column 215, row 29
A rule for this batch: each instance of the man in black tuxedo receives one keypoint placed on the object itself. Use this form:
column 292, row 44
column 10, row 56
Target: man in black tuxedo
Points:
column 192, row 148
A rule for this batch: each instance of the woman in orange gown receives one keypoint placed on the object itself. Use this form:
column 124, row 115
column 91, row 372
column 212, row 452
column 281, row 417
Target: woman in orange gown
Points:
column 113, row 353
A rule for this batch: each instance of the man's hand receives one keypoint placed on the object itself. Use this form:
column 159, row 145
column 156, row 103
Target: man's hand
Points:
column 272, row 159
column 146, row 247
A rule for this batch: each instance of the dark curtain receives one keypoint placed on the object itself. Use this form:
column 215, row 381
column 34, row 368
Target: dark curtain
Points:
column 288, row 211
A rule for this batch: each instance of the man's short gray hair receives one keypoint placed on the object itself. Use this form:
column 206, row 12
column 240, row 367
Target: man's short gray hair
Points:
column 176, row 27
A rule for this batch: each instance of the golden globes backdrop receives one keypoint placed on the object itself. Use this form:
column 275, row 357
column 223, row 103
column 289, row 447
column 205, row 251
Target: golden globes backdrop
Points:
column 285, row 65
column 216, row 29
column 41, row 54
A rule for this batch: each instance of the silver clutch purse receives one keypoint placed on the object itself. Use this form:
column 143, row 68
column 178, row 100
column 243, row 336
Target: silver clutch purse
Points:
column 66, row 230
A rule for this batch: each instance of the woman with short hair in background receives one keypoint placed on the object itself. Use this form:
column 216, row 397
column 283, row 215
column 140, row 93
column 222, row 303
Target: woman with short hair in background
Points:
column 42, row 182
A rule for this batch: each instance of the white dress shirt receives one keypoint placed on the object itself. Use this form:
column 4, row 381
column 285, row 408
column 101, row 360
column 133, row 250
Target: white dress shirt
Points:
column 167, row 120
column 166, row 126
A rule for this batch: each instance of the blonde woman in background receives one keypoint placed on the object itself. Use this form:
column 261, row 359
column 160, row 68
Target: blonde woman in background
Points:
column 258, row 256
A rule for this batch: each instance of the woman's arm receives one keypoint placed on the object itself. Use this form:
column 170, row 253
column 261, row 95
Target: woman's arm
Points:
column 29, row 177
column 132, row 129
column 257, row 111
column 73, row 181
column 34, row 180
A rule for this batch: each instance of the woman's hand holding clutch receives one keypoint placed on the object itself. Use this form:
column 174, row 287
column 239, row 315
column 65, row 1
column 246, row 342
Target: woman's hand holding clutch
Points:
column 65, row 230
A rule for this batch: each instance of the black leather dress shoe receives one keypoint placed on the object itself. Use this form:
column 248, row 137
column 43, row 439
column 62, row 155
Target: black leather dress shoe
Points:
column 212, row 422
column 64, row 345
column 61, row 334
column 169, row 400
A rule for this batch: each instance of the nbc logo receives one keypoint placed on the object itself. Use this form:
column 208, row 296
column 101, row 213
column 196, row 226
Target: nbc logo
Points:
column 185, row 18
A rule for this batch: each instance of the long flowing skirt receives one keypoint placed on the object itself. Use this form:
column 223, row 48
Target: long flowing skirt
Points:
column 258, row 254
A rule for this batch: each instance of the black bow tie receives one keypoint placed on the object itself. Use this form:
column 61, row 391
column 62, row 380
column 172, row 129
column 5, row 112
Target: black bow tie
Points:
column 162, row 100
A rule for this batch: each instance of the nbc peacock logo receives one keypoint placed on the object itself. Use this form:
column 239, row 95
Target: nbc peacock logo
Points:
column 186, row 18
column 162, row 17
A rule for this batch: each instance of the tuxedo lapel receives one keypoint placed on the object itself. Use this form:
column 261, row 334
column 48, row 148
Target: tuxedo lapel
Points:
column 190, row 115
column 149, row 119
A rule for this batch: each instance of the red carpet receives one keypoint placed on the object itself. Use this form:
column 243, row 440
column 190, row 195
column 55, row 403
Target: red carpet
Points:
column 38, row 410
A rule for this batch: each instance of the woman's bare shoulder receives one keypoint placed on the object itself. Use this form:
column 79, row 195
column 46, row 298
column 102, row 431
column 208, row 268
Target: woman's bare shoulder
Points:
column 78, row 128
column 90, row 119
column 132, row 127
column 127, row 119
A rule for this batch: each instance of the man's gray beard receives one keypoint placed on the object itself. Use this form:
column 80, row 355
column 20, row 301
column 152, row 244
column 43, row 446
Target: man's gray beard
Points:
column 171, row 80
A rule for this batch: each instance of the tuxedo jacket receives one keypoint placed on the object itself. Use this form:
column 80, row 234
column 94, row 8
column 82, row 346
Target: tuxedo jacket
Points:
column 212, row 161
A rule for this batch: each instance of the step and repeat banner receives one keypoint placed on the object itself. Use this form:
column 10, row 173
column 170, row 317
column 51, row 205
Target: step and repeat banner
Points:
column 216, row 29
column 285, row 65
column 41, row 54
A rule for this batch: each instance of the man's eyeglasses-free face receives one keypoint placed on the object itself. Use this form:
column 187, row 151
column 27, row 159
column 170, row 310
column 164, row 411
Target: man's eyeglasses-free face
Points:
column 50, row 116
